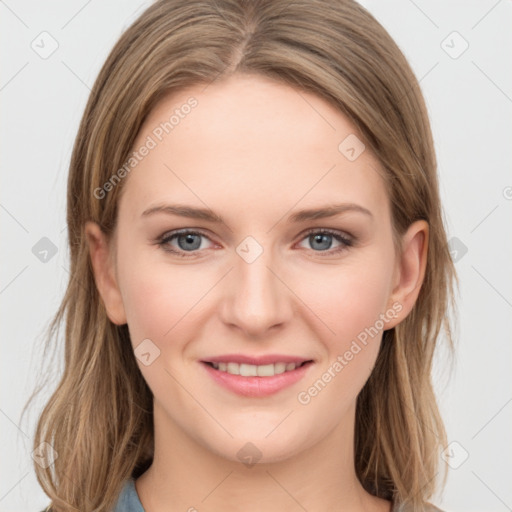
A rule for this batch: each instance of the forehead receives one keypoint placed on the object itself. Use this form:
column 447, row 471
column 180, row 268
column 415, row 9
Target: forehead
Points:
column 251, row 138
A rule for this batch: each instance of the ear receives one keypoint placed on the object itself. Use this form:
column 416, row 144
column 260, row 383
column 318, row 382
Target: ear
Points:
column 104, row 273
column 410, row 269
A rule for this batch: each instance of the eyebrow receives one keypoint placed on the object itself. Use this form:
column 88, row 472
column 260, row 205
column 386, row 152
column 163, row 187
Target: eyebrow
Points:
column 299, row 216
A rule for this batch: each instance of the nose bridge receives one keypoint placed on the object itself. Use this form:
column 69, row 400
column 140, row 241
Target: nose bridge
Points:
column 258, row 298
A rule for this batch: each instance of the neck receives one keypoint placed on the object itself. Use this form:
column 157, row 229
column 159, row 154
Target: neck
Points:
column 186, row 475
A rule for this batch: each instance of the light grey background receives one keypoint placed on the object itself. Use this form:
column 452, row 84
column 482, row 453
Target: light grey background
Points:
column 469, row 97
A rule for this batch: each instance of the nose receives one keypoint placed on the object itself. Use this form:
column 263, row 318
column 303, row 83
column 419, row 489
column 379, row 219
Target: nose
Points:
column 256, row 298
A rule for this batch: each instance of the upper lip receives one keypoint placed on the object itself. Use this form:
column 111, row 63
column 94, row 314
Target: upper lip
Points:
column 256, row 360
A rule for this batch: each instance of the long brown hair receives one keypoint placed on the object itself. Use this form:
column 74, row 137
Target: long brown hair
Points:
column 99, row 419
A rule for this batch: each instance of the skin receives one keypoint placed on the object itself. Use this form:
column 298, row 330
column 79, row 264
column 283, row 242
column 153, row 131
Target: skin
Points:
column 254, row 151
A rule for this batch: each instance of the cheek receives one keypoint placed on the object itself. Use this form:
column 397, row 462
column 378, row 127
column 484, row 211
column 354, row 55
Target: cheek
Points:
column 160, row 303
column 350, row 306
column 350, row 297
column 157, row 297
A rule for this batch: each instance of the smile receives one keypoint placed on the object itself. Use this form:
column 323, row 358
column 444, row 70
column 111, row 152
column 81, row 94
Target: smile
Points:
column 256, row 380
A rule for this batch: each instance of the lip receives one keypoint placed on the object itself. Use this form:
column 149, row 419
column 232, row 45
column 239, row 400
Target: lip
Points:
column 256, row 386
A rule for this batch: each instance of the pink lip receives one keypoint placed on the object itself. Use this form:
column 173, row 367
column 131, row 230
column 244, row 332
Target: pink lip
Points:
column 256, row 386
column 257, row 360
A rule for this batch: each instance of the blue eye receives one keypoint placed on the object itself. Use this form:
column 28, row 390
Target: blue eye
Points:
column 190, row 241
column 321, row 239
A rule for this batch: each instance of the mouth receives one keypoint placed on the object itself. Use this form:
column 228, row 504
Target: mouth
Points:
column 248, row 379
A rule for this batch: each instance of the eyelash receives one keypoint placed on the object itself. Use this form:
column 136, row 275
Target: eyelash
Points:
column 164, row 240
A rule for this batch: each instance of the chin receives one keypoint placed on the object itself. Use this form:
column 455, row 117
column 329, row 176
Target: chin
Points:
column 256, row 450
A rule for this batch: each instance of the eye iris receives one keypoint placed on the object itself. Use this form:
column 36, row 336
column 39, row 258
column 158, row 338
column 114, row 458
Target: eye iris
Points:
column 321, row 237
column 189, row 241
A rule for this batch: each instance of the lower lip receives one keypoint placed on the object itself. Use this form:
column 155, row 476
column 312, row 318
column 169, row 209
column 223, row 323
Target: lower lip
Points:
column 257, row 386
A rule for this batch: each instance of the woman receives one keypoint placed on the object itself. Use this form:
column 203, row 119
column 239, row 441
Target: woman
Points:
column 259, row 268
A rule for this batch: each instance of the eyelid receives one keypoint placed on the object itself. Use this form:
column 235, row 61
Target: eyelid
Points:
column 335, row 232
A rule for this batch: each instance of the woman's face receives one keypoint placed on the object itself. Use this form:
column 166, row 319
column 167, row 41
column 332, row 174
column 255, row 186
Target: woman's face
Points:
column 273, row 282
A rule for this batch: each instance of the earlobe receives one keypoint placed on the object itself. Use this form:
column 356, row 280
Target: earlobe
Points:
column 104, row 274
column 410, row 269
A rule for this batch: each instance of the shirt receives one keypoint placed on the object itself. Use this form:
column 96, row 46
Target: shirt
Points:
column 129, row 501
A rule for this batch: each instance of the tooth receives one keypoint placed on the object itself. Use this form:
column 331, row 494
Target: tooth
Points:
column 233, row 368
column 266, row 370
column 215, row 365
column 290, row 366
column 279, row 368
column 248, row 370
column 223, row 367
